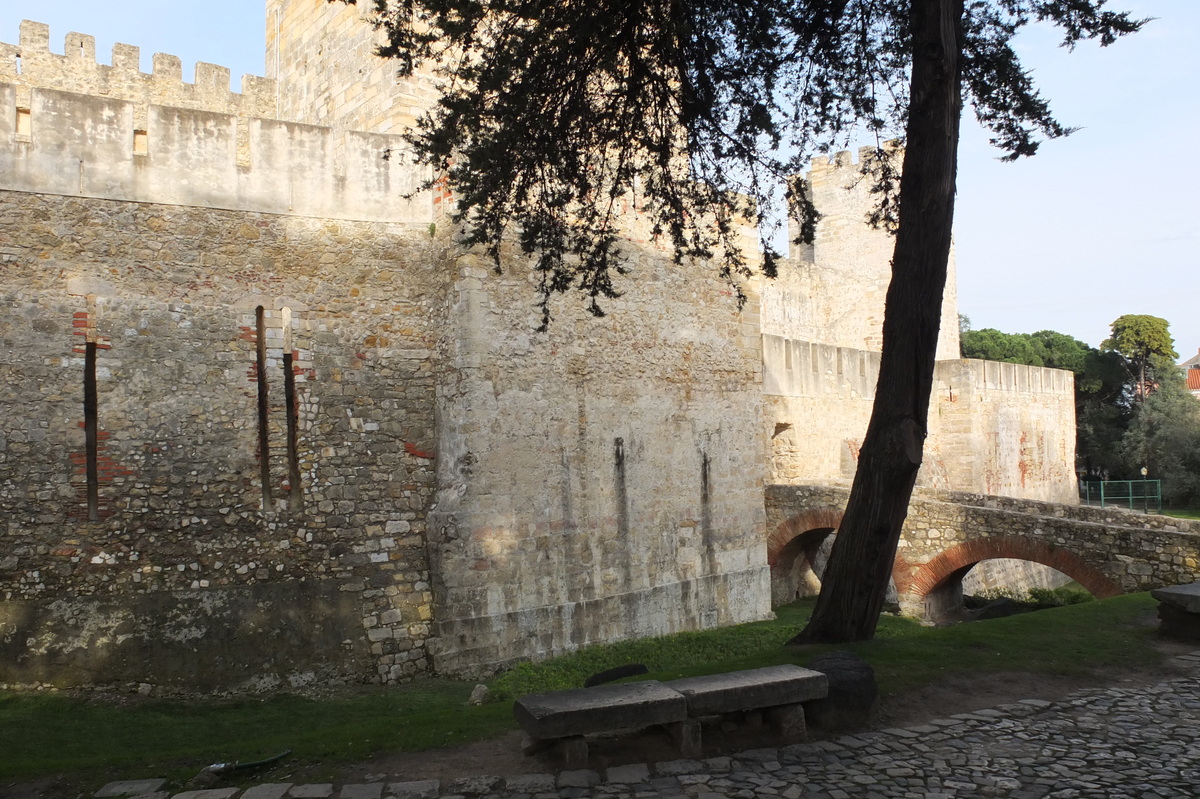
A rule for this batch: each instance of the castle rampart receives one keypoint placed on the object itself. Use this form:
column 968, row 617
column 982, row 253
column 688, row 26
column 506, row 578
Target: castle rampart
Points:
column 92, row 146
column 250, row 510
column 994, row 428
column 265, row 424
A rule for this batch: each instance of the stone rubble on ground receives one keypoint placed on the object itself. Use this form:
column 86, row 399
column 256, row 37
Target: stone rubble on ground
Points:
column 1140, row 741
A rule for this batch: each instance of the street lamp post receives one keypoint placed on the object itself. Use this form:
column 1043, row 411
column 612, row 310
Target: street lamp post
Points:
column 1145, row 491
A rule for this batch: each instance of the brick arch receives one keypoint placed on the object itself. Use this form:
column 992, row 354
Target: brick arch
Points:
column 921, row 580
column 801, row 523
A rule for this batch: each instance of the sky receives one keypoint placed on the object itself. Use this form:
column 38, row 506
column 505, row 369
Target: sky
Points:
column 1102, row 223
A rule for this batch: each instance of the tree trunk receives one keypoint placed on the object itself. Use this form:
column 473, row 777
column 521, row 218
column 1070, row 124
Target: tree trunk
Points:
column 856, row 579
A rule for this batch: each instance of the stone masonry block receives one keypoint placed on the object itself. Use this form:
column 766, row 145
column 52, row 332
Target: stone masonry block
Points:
column 559, row 714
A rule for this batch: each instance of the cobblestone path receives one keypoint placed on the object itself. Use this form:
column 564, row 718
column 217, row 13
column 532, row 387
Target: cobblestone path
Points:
column 1138, row 742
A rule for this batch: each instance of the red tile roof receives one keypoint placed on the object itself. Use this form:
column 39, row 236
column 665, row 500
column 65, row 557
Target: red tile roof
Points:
column 1193, row 379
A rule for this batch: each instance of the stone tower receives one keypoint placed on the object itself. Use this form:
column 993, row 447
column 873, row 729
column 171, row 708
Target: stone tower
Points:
column 323, row 56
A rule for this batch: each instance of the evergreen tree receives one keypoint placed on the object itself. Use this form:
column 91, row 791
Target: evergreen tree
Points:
column 558, row 110
column 1146, row 345
column 1164, row 438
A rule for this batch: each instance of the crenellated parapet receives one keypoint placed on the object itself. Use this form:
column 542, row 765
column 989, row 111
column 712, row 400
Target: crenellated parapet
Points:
column 30, row 64
column 65, row 143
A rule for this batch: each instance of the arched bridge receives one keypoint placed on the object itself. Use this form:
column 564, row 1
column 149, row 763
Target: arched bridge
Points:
column 1108, row 551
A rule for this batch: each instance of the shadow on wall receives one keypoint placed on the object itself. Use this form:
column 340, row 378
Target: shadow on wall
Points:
column 261, row 637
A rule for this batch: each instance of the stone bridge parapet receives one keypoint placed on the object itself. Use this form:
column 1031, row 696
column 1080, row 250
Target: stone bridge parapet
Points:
column 1109, row 551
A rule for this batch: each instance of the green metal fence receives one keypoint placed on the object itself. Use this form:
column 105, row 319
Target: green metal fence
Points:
column 1143, row 495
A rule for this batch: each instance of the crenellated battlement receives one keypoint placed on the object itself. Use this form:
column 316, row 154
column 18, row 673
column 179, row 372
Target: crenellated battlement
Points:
column 845, row 163
column 835, row 288
column 30, row 64
column 66, row 143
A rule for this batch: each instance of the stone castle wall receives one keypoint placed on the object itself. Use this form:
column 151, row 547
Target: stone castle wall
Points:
column 425, row 483
column 30, row 64
column 410, row 457
column 1006, row 429
column 201, row 158
column 169, row 299
column 993, row 428
column 602, row 480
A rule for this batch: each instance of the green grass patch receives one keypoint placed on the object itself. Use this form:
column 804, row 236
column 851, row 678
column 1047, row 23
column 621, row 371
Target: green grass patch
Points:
column 96, row 739
column 1072, row 640
column 1182, row 513
column 52, row 733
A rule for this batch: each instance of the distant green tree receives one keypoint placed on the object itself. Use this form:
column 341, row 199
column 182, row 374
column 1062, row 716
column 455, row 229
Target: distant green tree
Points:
column 1102, row 412
column 990, row 344
column 1164, row 437
column 1060, row 351
column 1147, row 347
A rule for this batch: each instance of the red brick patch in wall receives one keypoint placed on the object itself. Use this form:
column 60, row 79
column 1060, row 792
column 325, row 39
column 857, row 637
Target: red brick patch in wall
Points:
column 411, row 449
column 107, row 469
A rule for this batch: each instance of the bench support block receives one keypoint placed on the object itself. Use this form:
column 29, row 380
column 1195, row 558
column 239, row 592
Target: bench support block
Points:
column 788, row 721
column 686, row 735
column 572, row 751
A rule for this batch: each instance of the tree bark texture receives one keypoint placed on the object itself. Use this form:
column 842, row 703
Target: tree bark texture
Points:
column 856, row 579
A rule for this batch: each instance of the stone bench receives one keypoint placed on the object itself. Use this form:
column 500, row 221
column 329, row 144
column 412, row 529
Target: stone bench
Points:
column 779, row 692
column 1179, row 611
column 561, row 719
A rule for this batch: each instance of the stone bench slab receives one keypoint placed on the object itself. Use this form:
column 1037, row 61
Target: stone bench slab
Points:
column 602, row 708
column 1184, row 597
column 750, row 689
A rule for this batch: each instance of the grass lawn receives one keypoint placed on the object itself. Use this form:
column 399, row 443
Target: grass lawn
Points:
column 97, row 738
column 1182, row 513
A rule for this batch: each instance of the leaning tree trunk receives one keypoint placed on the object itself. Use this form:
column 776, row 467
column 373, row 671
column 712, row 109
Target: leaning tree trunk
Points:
column 856, row 579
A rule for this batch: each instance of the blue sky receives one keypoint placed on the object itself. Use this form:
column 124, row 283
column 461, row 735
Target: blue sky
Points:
column 1102, row 223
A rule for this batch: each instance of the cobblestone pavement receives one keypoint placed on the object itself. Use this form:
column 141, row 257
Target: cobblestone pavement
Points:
column 1138, row 742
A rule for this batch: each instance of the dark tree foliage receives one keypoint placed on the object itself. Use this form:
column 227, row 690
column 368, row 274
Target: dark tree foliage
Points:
column 1164, row 437
column 554, row 112
column 558, row 113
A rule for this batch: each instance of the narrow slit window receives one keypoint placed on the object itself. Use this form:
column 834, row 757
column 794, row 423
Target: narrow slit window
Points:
column 17, row 64
column 90, row 431
column 295, row 490
column 264, row 408
column 24, row 123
